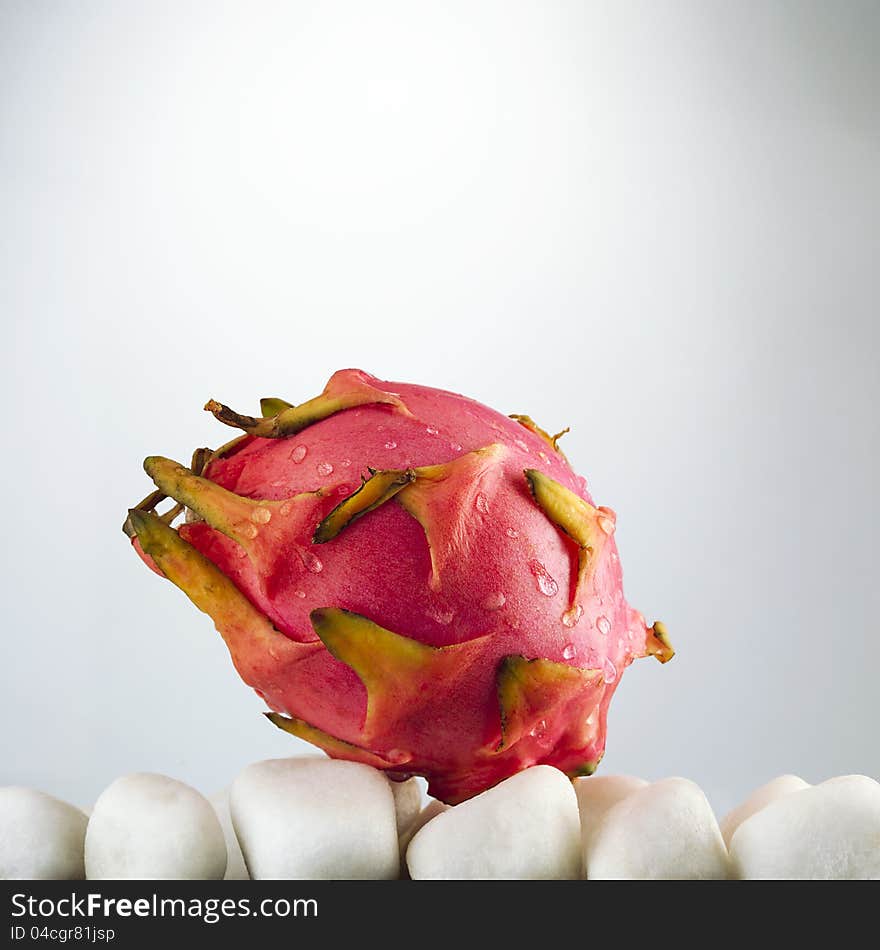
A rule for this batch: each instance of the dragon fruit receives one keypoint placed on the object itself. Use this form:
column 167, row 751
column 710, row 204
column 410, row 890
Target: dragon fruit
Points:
column 407, row 578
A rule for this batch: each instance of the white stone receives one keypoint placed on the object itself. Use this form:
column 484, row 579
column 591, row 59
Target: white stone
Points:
column 760, row 798
column 665, row 831
column 430, row 811
column 41, row 837
column 596, row 794
column 407, row 803
column 863, row 781
column 525, row 828
column 152, row 827
column 828, row 832
column 315, row 819
column 236, row 869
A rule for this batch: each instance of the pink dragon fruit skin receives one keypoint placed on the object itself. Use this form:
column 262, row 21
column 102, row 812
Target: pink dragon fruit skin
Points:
column 409, row 579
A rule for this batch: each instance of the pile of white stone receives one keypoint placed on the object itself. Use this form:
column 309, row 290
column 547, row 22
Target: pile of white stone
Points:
column 314, row 818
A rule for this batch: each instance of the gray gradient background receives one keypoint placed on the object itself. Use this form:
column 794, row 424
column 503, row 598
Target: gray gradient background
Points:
column 656, row 223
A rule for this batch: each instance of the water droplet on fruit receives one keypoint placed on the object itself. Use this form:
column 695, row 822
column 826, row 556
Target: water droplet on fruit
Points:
column 607, row 519
column 455, row 446
column 346, row 463
column 261, row 515
column 494, row 601
column 300, row 593
column 285, row 508
column 571, row 617
column 603, row 626
column 397, row 756
column 542, row 456
column 313, row 562
column 242, row 553
column 432, row 430
column 324, row 468
column 441, row 616
column 482, row 503
column 391, row 445
column 521, row 445
column 512, row 533
column 249, row 531
column 609, row 671
column 299, row 453
column 546, row 584
column 568, row 651
column 540, row 729
column 344, row 488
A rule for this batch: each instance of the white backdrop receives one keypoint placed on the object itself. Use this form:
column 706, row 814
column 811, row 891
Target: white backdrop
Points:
column 655, row 222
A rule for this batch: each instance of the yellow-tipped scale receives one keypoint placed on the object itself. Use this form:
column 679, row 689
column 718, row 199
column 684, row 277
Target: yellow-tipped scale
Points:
column 375, row 491
column 400, row 674
column 572, row 515
column 345, row 390
column 229, row 513
column 527, row 422
column 530, row 690
column 337, row 748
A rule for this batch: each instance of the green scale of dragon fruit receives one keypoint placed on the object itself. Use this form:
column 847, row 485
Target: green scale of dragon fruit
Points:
column 407, row 578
